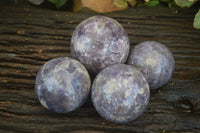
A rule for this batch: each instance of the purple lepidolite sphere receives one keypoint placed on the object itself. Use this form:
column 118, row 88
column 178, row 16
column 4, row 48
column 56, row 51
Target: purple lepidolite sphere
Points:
column 155, row 61
column 62, row 85
column 98, row 42
column 120, row 93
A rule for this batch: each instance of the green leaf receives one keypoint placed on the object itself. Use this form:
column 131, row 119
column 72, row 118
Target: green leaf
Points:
column 36, row 2
column 120, row 3
column 153, row 3
column 167, row 1
column 196, row 23
column 172, row 4
column 58, row 3
column 185, row 3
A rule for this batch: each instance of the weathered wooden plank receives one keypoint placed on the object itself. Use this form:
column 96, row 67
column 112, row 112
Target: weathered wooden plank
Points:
column 29, row 36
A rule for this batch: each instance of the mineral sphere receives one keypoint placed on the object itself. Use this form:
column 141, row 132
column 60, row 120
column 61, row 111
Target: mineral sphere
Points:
column 120, row 93
column 98, row 42
column 62, row 85
column 155, row 61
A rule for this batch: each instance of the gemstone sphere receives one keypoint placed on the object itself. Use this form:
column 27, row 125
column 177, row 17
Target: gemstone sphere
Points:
column 98, row 42
column 120, row 93
column 155, row 61
column 62, row 85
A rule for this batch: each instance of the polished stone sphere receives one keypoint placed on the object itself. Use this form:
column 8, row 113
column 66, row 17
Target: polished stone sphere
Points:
column 62, row 85
column 155, row 61
column 98, row 42
column 120, row 93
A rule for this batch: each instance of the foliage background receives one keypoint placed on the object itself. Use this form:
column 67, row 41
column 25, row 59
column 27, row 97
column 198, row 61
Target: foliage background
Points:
column 114, row 5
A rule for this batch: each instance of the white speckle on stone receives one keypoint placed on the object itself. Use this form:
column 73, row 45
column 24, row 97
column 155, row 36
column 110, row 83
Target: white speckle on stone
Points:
column 43, row 102
column 150, row 61
column 141, row 91
column 137, row 109
column 70, row 91
column 147, row 86
column 128, row 102
column 48, row 82
column 111, row 84
column 143, row 78
column 82, row 47
column 39, row 87
column 61, row 66
column 158, row 70
column 108, row 97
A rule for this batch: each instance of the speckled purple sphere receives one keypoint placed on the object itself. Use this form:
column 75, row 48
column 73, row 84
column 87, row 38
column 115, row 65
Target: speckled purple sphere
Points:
column 120, row 93
column 98, row 42
column 62, row 85
column 155, row 61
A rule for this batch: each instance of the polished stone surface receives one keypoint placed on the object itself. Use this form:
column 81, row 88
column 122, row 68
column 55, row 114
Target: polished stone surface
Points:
column 98, row 42
column 120, row 93
column 62, row 85
column 155, row 61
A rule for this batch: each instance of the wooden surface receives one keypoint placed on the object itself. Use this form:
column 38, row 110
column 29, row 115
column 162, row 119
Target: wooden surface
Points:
column 30, row 36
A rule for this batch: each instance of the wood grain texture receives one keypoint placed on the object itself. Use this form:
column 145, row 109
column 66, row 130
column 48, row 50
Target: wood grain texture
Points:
column 30, row 36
